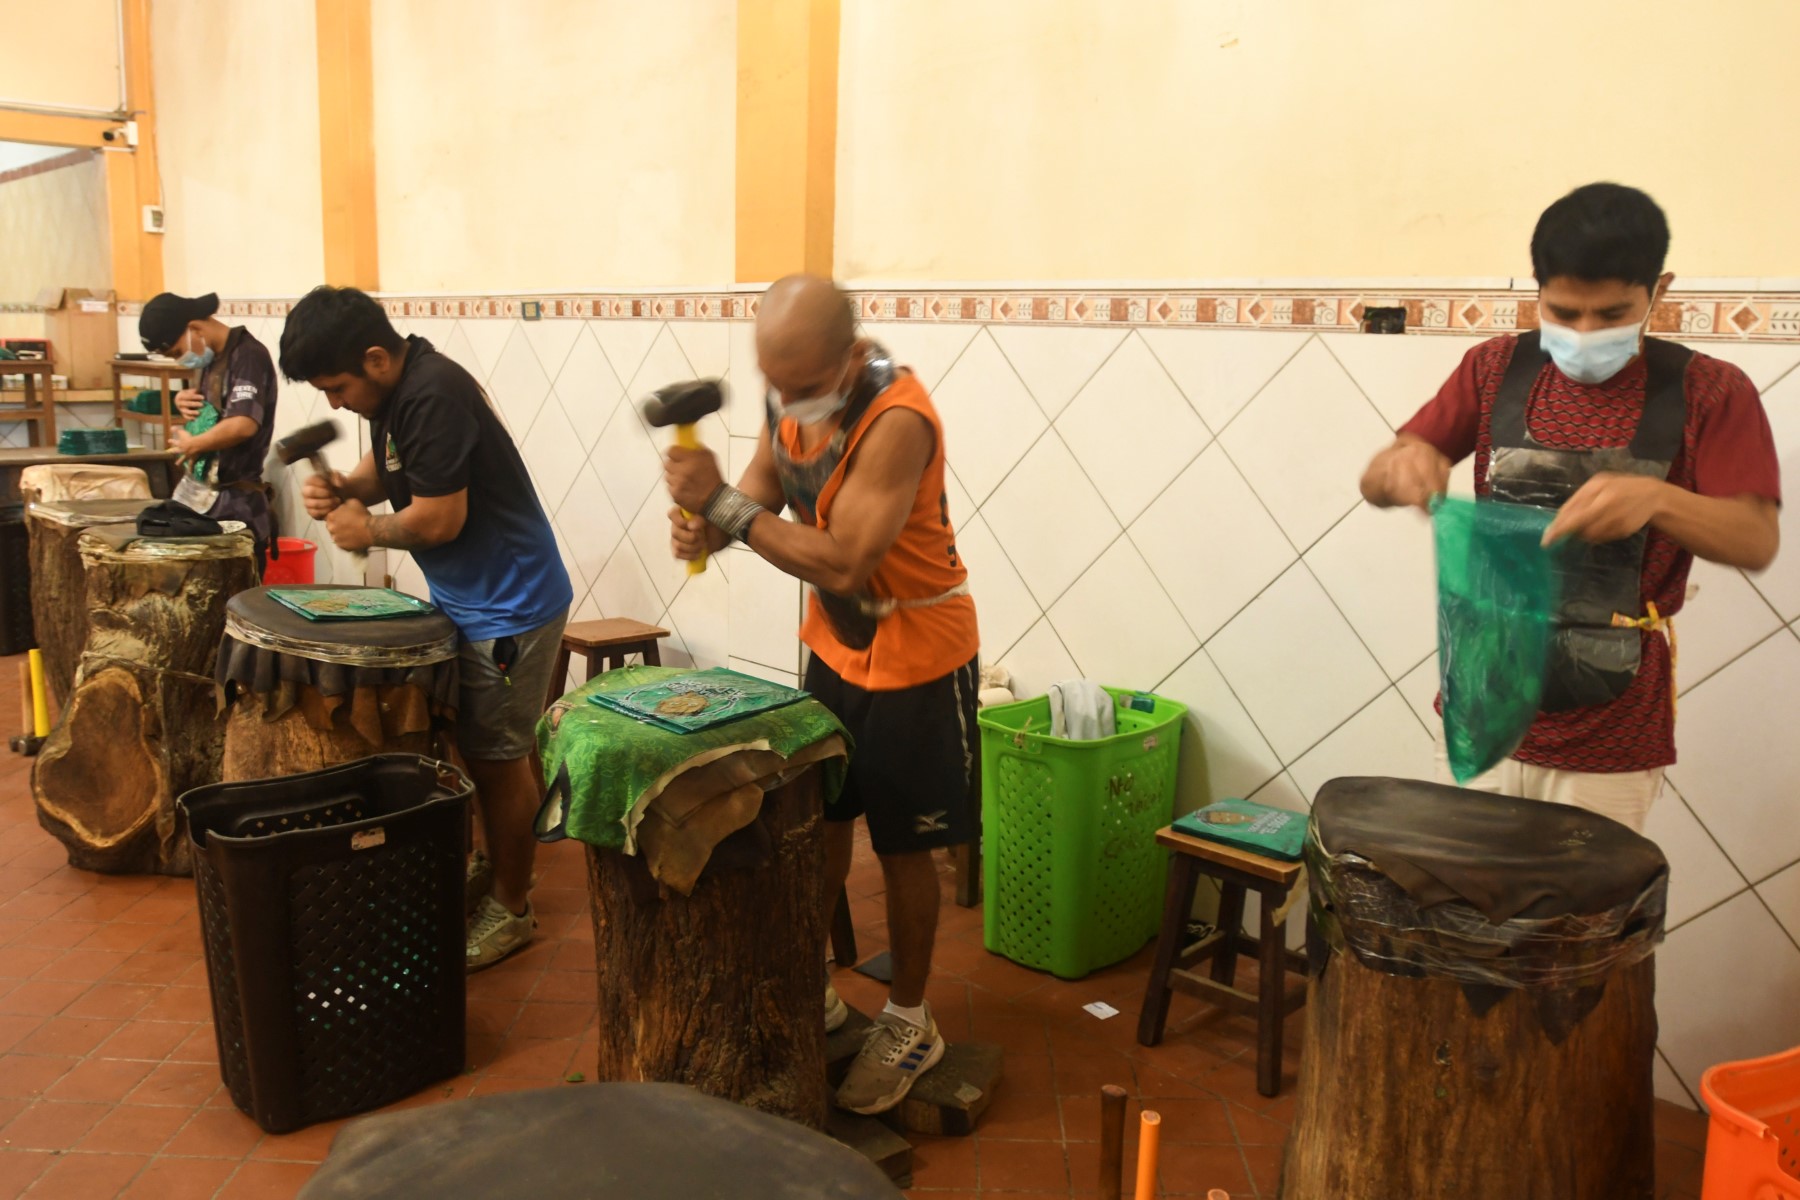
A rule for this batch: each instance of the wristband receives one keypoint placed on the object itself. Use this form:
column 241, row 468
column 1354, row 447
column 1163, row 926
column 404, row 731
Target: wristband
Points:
column 732, row 511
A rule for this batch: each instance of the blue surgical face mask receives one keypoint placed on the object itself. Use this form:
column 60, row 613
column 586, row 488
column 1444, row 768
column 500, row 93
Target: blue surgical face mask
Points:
column 1595, row 356
column 197, row 362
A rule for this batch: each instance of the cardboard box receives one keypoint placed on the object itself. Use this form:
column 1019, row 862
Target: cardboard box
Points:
column 84, row 334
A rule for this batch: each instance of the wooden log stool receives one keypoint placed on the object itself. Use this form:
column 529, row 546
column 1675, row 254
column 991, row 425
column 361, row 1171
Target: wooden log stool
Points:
column 606, row 645
column 705, row 858
column 1238, row 873
column 58, row 578
column 303, row 695
column 141, row 726
column 1482, row 1022
column 608, row 1141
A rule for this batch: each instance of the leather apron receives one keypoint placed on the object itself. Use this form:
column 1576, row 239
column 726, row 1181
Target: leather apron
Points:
column 1596, row 647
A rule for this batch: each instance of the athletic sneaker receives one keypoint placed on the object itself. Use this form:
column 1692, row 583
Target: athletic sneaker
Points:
column 496, row 933
column 891, row 1061
column 478, row 882
column 836, row 1011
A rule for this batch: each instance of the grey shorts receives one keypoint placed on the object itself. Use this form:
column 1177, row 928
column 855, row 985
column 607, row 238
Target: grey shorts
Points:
column 497, row 717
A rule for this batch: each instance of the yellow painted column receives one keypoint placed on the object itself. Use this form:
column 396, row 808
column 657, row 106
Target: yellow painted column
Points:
column 131, row 174
column 787, row 63
column 347, row 143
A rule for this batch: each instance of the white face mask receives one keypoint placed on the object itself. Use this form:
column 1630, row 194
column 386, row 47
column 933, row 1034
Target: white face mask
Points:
column 1596, row 356
column 819, row 408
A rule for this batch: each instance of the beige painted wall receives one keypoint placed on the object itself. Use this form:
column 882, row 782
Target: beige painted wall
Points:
column 554, row 145
column 238, row 121
column 1071, row 139
column 54, row 232
column 60, row 54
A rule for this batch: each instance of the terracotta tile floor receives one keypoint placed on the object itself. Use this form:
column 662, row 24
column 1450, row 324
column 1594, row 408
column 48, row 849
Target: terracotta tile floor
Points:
column 109, row 1083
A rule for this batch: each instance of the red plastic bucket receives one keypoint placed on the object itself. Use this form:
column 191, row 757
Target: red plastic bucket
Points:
column 295, row 564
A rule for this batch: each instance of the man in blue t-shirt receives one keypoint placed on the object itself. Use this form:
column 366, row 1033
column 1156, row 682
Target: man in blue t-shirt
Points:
column 464, row 507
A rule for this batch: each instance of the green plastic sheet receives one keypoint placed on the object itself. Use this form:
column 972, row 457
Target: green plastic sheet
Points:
column 1497, row 597
column 696, row 700
column 349, row 604
column 204, row 420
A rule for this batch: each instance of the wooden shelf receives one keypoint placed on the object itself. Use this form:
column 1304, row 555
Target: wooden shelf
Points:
column 146, row 418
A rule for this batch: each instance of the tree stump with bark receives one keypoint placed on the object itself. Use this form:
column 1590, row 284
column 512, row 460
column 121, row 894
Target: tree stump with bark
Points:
column 722, row 989
column 1481, row 1022
column 58, row 579
column 1404, row 1091
column 141, row 725
column 304, row 695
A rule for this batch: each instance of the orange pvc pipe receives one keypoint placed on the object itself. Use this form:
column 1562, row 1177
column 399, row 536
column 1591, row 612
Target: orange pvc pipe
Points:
column 1149, row 1141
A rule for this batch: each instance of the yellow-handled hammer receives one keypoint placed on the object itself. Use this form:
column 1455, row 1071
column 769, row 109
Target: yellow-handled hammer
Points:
column 683, row 405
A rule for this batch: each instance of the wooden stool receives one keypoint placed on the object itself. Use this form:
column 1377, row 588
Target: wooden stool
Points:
column 605, row 644
column 1238, row 872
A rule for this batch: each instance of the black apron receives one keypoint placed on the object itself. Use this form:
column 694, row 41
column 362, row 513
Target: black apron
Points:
column 248, row 500
column 1597, row 647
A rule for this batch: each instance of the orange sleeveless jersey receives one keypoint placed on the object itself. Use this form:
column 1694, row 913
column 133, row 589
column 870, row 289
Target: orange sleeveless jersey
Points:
column 912, row 646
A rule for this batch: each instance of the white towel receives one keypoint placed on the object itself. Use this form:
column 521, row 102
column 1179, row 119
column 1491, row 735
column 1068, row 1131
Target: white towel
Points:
column 1081, row 711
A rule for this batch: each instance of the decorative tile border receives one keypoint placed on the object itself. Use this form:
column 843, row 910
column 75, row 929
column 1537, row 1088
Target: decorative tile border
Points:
column 1723, row 316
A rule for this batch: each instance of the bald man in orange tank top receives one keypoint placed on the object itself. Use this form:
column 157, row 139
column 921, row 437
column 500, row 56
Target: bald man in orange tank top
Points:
column 854, row 451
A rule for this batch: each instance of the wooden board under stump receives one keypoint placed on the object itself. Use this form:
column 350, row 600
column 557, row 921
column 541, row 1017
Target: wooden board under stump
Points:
column 947, row 1101
column 875, row 1142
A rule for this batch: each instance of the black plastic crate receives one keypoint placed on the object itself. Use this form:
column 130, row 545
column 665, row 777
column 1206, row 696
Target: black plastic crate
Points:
column 331, row 906
column 16, row 633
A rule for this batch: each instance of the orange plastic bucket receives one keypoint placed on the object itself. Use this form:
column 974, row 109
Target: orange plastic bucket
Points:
column 1753, row 1143
column 295, row 564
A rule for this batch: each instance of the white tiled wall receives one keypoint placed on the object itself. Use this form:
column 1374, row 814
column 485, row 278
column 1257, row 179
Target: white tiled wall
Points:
column 1176, row 510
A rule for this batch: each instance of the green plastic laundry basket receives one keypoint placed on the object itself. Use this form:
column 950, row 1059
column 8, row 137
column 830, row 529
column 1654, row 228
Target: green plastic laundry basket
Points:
column 1074, row 877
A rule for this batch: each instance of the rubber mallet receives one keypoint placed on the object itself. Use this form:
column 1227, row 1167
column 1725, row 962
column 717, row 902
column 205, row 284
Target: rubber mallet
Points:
column 684, row 405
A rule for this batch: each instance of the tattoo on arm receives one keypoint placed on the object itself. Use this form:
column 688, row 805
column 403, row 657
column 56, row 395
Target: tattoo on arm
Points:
column 390, row 531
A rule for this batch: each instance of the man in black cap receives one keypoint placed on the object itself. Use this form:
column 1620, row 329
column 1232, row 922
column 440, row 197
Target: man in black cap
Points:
column 230, row 411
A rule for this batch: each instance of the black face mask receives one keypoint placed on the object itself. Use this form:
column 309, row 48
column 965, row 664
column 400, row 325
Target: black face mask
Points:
column 172, row 520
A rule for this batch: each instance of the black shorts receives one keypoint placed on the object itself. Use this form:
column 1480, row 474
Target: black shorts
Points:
column 915, row 772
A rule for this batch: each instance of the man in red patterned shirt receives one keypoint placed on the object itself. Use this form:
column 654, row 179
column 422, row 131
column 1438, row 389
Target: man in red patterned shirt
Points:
column 1651, row 454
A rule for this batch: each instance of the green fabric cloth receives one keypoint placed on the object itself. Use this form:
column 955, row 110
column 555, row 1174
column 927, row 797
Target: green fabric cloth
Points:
column 612, row 761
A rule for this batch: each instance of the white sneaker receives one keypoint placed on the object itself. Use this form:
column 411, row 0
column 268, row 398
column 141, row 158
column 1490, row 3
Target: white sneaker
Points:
column 496, row 933
column 478, row 881
column 836, row 1011
column 891, row 1061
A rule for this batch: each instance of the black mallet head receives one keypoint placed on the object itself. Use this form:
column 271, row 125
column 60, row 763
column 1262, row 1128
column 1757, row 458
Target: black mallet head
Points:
column 684, row 403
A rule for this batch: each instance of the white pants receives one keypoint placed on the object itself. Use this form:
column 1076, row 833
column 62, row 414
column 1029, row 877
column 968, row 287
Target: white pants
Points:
column 1625, row 796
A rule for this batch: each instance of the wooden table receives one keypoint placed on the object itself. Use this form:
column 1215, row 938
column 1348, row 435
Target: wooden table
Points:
column 39, row 400
column 172, row 377
column 14, row 460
